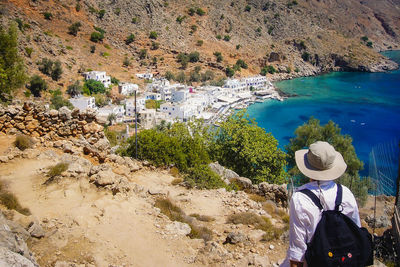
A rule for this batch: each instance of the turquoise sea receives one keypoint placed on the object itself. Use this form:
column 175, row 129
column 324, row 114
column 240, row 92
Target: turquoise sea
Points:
column 364, row 105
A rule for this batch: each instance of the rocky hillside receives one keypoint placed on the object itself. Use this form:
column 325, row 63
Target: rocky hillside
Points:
column 299, row 37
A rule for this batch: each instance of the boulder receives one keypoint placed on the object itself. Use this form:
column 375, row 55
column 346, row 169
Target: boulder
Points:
column 178, row 228
column 64, row 113
column 224, row 173
column 244, row 183
column 234, row 238
column 104, row 178
column 10, row 258
column 276, row 193
column 258, row 260
column 35, row 230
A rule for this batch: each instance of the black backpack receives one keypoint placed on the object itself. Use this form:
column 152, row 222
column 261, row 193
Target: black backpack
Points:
column 337, row 240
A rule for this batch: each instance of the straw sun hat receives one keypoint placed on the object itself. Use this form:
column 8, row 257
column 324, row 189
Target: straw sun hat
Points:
column 320, row 162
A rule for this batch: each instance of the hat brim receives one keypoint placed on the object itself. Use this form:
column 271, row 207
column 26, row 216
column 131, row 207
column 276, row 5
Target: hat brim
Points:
column 339, row 167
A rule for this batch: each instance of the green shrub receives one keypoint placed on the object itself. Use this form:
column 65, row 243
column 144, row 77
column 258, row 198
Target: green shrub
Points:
column 154, row 45
column 101, row 13
column 130, row 39
column 305, row 56
column 48, row 15
column 218, row 56
column 37, row 85
column 199, row 42
column 256, row 198
column 364, row 38
column 74, row 28
column 78, row 7
column 207, row 76
column 169, row 76
column 200, row 12
column 46, row 66
column 369, row 44
column 57, row 169
column 69, row 47
column 134, row 20
column 268, row 69
column 74, row 89
column 143, row 53
column 191, row 11
column 227, row 38
column 97, row 36
column 58, row 101
column 219, row 37
column 180, row 19
column 194, row 56
column 23, row 142
column 241, row 64
column 28, row 51
column 153, row 35
column 193, row 29
column 229, row 72
column 200, row 232
column 176, row 181
column 56, row 71
column 92, row 49
column 172, row 211
column 94, row 87
column 201, row 176
column 247, row 8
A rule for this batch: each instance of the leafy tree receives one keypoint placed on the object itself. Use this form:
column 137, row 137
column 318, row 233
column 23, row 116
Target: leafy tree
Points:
column 218, row 56
column 74, row 28
column 94, row 87
column 247, row 149
column 58, row 101
column 46, row 66
column 130, row 39
column 56, row 71
column 305, row 56
column 207, row 76
column 229, row 72
column 194, row 56
column 74, row 89
column 37, row 85
column 241, row 64
column 153, row 35
column 169, row 76
column 268, row 69
column 180, row 77
column 183, row 59
column 12, row 69
column 311, row 132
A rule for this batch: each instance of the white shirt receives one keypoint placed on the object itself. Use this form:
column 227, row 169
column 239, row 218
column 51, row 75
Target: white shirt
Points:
column 305, row 215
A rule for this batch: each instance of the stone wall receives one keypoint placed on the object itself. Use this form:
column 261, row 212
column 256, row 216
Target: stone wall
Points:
column 36, row 120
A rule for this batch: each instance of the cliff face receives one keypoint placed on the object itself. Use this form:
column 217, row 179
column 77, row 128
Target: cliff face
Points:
column 309, row 36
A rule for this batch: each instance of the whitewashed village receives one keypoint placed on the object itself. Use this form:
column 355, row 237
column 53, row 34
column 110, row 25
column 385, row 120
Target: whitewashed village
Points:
column 177, row 102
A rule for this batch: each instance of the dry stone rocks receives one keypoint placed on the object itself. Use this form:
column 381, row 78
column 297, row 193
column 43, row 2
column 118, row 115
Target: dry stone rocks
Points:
column 224, row 173
column 234, row 238
column 178, row 228
column 10, row 258
column 36, row 230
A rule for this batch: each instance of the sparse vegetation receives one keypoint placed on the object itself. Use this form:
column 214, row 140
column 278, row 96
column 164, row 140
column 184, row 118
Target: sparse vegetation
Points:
column 130, row 39
column 219, row 37
column 199, row 42
column 28, row 51
column 92, row 49
column 37, row 85
column 247, row 8
column 143, row 53
column 169, row 76
column 191, row 11
column 74, row 28
column 126, row 62
column 58, row 101
column 200, row 12
column 240, row 63
column 153, row 35
column 23, row 142
column 176, row 181
column 154, row 45
column 203, row 218
column 305, row 56
column 218, row 56
column 227, row 38
column 180, row 19
column 47, row 15
column 55, row 171
column 74, row 89
column 256, row 198
column 134, row 20
column 11, row 202
column 229, row 72
column 268, row 69
column 194, row 56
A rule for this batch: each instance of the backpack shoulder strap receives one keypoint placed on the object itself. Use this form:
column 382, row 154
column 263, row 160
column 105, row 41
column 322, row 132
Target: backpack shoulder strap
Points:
column 313, row 197
column 339, row 196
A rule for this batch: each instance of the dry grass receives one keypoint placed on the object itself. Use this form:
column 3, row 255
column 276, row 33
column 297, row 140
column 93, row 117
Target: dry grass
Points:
column 55, row 171
column 256, row 198
column 203, row 218
column 10, row 201
column 174, row 171
column 175, row 213
column 177, row 181
column 23, row 142
column 259, row 222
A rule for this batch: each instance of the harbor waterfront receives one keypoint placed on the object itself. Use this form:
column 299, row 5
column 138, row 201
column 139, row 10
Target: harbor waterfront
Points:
column 364, row 105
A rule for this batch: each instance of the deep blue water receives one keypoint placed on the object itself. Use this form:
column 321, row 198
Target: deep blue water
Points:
column 364, row 105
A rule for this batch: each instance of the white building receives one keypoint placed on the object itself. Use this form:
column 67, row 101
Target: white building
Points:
column 256, row 82
column 130, row 106
column 183, row 112
column 106, row 111
column 83, row 102
column 99, row 76
column 179, row 94
column 150, row 118
column 152, row 96
column 127, row 88
column 236, row 86
column 144, row 75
